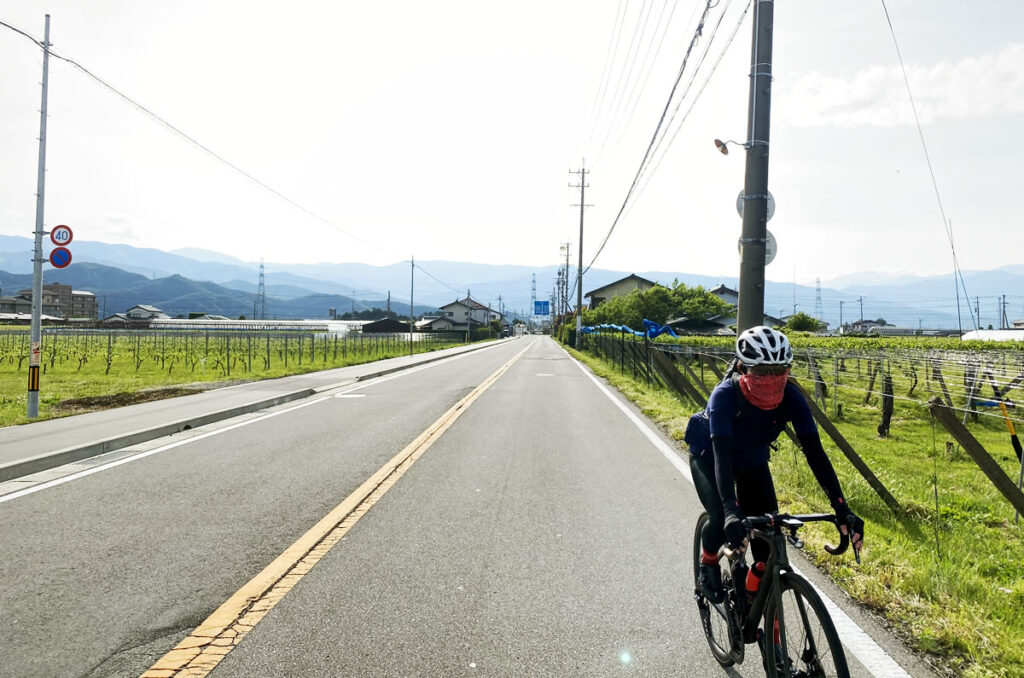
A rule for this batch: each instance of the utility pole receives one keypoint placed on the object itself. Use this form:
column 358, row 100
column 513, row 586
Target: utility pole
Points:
column 840, row 316
column 861, row 300
column 750, row 310
column 977, row 311
column 582, row 173
column 1005, row 324
column 412, row 313
column 388, row 311
column 36, row 345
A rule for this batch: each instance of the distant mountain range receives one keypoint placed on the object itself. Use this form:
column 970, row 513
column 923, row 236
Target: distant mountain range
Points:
column 198, row 280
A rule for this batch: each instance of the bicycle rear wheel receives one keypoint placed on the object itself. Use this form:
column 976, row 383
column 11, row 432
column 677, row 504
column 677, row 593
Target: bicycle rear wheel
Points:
column 805, row 643
column 714, row 619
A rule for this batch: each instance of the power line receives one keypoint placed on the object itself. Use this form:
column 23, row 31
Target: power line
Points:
column 435, row 279
column 947, row 224
column 195, row 142
column 696, row 98
column 630, row 83
column 630, row 60
column 613, row 47
column 657, row 130
column 648, row 67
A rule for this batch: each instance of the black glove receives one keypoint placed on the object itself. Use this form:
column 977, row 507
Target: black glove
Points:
column 735, row 532
column 854, row 525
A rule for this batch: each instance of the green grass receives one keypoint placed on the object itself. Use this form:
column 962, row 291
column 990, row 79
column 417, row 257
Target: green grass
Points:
column 145, row 365
column 949, row 579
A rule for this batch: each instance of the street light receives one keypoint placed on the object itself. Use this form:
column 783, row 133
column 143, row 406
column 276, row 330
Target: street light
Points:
column 722, row 146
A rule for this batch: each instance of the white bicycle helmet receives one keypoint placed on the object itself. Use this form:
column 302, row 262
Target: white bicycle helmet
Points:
column 762, row 345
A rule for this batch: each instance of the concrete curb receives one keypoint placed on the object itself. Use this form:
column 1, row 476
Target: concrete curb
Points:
column 49, row 460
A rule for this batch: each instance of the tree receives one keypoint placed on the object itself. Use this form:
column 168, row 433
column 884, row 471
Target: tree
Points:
column 658, row 303
column 881, row 321
column 801, row 322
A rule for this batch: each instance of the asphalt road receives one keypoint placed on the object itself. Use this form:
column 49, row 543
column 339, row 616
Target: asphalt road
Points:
column 542, row 534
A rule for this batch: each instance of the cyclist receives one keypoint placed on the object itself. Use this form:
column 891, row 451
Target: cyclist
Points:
column 745, row 414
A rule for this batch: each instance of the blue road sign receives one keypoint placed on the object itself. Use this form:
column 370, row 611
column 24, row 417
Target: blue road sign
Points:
column 542, row 308
column 60, row 257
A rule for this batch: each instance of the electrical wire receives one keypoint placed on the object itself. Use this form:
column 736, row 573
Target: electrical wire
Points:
column 947, row 224
column 631, row 82
column 696, row 98
column 627, row 66
column 206, row 149
column 654, row 137
column 648, row 67
column 613, row 47
column 435, row 279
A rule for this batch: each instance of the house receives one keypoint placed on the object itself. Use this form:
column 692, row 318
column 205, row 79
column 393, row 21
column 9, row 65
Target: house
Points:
column 443, row 325
column 726, row 294
column 619, row 288
column 145, row 312
column 465, row 314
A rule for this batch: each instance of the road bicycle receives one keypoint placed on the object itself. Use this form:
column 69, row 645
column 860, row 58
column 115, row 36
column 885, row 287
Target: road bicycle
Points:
column 786, row 618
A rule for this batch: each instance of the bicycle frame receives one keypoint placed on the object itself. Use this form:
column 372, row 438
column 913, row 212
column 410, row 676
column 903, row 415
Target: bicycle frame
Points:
column 777, row 563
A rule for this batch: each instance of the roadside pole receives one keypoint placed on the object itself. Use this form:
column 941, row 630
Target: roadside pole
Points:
column 755, row 187
column 582, row 172
column 412, row 314
column 36, row 343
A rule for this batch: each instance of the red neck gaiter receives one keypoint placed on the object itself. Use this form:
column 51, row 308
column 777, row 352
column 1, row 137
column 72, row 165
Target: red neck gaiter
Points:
column 764, row 391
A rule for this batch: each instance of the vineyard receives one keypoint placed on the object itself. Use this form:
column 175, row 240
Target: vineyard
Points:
column 943, row 557
column 89, row 369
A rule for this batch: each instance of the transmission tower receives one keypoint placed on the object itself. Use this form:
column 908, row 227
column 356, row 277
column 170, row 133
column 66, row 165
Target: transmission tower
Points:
column 819, row 312
column 261, row 297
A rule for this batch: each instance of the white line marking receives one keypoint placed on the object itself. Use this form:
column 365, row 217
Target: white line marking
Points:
column 142, row 455
column 869, row 653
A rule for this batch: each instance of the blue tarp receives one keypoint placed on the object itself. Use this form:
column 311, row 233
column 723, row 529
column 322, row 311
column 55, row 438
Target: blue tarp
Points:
column 651, row 329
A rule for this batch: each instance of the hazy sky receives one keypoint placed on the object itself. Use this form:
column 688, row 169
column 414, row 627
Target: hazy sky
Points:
column 446, row 130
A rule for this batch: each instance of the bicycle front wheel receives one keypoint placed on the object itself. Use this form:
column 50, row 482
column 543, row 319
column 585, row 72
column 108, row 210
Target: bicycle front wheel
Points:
column 800, row 639
column 714, row 619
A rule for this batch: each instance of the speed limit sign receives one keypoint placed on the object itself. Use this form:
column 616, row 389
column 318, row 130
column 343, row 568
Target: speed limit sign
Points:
column 61, row 235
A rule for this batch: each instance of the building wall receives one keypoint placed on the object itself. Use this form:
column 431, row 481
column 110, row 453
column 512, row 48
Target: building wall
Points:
column 617, row 289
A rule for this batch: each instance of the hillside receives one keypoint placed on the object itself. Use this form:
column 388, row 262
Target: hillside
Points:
column 310, row 289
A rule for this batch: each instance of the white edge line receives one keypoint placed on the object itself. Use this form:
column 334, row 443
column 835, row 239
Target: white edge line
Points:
column 142, row 455
column 869, row 653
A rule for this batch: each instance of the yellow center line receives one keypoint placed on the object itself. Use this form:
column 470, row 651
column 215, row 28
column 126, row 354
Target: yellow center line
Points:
column 222, row 631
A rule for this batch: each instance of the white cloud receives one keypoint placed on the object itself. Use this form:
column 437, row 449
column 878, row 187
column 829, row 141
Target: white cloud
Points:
column 974, row 87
